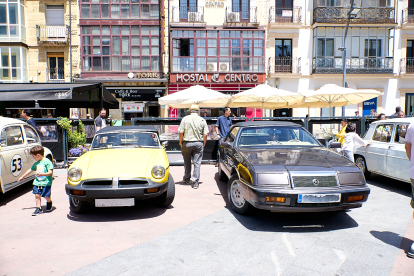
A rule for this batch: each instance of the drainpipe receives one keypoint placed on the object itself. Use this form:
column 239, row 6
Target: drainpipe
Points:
column 70, row 39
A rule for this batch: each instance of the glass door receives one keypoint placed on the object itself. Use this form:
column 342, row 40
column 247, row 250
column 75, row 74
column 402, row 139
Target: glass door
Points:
column 242, row 7
column 409, row 104
column 56, row 69
column 283, row 55
column 410, row 58
column 284, row 10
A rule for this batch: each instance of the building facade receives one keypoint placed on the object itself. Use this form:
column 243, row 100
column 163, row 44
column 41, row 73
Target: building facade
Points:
column 122, row 47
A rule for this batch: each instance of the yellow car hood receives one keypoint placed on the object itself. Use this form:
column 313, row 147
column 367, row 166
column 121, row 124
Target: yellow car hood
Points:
column 129, row 162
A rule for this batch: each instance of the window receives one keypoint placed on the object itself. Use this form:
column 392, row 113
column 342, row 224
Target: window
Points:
column 232, row 135
column 382, row 133
column 115, row 9
column 241, row 6
column 325, row 47
column 13, row 135
column 221, row 50
column 55, row 15
column 372, row 48
column 13, row 64
column 31, row 135
column 120, row 48
column 56, row 67
column 283, row 48
column 12, row 20
column 400, row 132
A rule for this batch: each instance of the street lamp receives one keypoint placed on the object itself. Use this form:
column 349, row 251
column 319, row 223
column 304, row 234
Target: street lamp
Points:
column 353, row 13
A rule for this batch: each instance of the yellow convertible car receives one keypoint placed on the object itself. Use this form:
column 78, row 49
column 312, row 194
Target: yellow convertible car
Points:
column 124, row 164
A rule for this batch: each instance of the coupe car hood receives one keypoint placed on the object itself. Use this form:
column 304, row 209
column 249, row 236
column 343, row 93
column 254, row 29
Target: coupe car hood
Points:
column 298, row 159
column 125, row 162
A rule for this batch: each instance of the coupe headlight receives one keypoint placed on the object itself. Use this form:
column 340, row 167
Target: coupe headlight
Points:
column 354, row 178
column 74, row 174
column 158, row 171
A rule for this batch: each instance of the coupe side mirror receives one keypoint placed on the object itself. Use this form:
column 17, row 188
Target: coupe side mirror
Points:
column 335, row 145
column 164, row 144
column 226, row 145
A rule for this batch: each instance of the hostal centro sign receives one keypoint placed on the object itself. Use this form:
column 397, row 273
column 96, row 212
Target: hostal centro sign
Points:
column 212, row 3
column 217, row 78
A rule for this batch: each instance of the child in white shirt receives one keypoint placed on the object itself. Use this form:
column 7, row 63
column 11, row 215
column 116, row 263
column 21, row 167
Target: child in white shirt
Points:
column 352, row 142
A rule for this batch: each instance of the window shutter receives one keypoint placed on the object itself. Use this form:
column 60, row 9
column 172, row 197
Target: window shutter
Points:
column 55, row 15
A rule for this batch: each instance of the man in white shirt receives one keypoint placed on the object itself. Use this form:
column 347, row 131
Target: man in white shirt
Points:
column 409, row 149
column 100, row 120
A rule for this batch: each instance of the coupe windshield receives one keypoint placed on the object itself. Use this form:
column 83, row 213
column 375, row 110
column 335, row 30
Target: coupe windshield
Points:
column 275, row 136
column 126, row 139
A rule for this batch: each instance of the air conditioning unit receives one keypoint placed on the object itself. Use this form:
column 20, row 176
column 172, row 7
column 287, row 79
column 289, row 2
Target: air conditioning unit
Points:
column 233, row 17
column 212, row 67
column 192, row 16
column 224, row 66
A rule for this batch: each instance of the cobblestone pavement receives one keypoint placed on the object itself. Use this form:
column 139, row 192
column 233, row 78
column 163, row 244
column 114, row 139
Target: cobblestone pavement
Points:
column 199, row 235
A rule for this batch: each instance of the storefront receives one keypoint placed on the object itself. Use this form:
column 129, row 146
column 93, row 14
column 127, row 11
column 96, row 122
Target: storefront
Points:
column 228, row 83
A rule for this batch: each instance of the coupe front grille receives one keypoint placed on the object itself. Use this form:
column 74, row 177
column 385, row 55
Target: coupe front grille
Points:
column 309, row 181
column 133, row 182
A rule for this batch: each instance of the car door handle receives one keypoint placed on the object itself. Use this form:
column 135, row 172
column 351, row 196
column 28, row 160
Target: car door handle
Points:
column 391, row 147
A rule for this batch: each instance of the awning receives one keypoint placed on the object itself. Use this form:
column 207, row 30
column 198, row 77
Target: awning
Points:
column 65, row 95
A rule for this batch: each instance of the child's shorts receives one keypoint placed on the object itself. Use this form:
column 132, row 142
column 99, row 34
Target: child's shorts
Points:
column 43, row 191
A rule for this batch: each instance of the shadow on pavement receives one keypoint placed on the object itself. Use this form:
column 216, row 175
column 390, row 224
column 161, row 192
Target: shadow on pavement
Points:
column 393, row 239
column 144, row 209
column 263, row 220
column 15, row 193
column 390, row 184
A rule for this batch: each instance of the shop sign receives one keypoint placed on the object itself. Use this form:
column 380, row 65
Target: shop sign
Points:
column 138, row 93
column 211, row 4
column 147, row 75
column 368, row 105
column 216, row 78
column 136, row 107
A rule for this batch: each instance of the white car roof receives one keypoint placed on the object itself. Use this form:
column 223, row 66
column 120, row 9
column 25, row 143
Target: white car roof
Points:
column 395, row 120
column 8, row 121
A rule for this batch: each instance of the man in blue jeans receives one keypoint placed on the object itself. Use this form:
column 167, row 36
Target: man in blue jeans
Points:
column 223, row 126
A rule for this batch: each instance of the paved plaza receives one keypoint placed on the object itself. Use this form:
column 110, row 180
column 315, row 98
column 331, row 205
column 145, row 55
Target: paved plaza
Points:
column 199, row 235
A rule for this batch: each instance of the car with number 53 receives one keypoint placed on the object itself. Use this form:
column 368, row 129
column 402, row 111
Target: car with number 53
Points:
column 124, row 164
column 280, row 166
column 16, row 139
column 386, row 153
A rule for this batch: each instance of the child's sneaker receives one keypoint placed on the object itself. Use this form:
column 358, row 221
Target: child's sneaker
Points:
column 38, row 211
column 49, row 206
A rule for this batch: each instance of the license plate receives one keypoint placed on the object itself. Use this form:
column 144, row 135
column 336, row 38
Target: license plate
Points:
column 114, row 202
column 319, row 198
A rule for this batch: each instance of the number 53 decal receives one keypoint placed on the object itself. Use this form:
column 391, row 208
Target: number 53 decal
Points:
column 16, row 165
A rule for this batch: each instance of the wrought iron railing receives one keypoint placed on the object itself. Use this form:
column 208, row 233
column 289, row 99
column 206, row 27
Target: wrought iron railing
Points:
column 237, row 14
column 52, row 34
column 365, row 15
column 284, row 65
column 285, row 15
column 408, row 16
column 406, row 66
column 188, row 14
column 365, row 65
column 55, row 75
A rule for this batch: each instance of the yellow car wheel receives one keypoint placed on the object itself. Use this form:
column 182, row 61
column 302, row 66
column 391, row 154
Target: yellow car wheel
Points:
column 166, row 198
column 77, row 206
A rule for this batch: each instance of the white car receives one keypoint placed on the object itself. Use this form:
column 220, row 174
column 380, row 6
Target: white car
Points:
column 386, row 153
column 16, row 140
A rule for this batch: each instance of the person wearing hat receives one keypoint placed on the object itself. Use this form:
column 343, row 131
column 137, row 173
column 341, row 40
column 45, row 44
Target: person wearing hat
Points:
column 193, row 132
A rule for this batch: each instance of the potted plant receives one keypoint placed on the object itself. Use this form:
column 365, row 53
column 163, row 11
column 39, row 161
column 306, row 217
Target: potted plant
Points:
column 76, row 139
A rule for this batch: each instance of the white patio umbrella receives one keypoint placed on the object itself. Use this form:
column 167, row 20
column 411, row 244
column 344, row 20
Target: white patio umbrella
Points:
column 332, row 95
column 196, row 94
column 265, row 96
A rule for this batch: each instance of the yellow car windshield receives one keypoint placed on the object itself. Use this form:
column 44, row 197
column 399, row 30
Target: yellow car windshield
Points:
column 125, row 139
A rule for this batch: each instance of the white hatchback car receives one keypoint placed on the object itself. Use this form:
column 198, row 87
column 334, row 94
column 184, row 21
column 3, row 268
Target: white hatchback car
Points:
column 16, row 140
column 386, row 153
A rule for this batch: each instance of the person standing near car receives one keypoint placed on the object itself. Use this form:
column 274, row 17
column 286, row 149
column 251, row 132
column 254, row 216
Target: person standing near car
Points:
column 100, row 120
column 409, row 150
column 352, row 142
column 223, row 126
column 341, row 133
column 193, row 132
column 26, row 115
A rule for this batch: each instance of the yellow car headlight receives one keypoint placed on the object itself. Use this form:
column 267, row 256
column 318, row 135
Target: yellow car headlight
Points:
column 74, row 174
column 158, row 171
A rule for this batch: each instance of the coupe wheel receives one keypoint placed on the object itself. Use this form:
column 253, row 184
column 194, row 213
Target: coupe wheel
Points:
column 222, row 176
column 360, row 162
column 77, row 206
column 237, row 201
column 166, row 198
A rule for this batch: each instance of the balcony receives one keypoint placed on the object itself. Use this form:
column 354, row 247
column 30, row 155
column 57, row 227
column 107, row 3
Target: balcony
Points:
column 406, row 66
column 285, row 15
column 365, row 16
column 52, row 35
column 241, row 14
column 55, row 75
column 408, row 16
column 187, row 14
column 365, row 65
column 284, row 65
